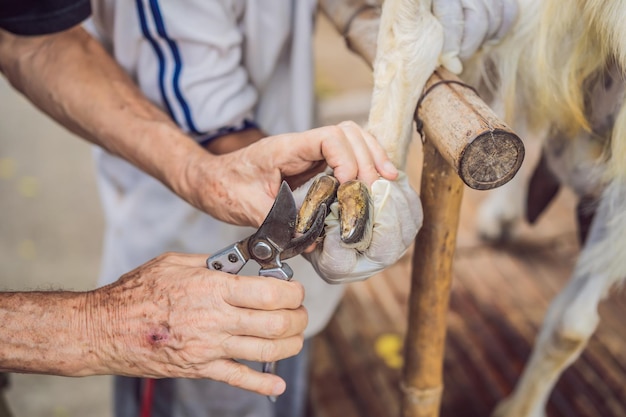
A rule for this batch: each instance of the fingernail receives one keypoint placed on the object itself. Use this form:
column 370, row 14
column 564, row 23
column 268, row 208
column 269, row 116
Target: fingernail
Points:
column 390, row 168
column 278, row 389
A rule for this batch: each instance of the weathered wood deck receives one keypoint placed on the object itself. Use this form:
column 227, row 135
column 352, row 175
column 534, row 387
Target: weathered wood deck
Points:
column 497, row 303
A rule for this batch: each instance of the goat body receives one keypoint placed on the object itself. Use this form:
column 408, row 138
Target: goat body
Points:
column 551, row 77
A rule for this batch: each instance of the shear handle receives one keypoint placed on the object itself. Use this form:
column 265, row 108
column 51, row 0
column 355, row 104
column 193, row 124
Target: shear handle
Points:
column 231, row 259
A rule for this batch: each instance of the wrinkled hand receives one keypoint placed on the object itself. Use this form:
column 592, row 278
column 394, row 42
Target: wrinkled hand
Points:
column 240, row 187
column 172, row 317
column 396, row 221
column 470, row 24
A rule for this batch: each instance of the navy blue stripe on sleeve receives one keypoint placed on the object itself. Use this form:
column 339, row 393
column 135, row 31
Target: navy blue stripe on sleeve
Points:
column 178, row 64
column 158, row 52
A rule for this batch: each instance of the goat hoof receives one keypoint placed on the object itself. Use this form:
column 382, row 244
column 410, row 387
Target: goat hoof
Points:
column 496, row 224
column 355, row 209
column 355, row 213
column 495, row 231
column 322, row 191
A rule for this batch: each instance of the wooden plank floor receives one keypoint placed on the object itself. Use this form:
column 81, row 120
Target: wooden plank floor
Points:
column 497, row 303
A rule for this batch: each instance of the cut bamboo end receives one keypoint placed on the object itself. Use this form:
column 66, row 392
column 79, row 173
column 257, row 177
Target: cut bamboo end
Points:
column 491, row 159
column 483, row 150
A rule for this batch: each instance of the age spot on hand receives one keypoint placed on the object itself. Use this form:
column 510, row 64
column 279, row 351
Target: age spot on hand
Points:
column 158, row 336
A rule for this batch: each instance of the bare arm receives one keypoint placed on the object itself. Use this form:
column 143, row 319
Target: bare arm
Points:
column 148, row 324
column 33, row 321
column 71, row 77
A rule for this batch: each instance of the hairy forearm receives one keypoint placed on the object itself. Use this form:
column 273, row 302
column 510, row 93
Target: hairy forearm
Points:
column 49, row 333
column 74, row 80
column 100, row 332
column 170, row 317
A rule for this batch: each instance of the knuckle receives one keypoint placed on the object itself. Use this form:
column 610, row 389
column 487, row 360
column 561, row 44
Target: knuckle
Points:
column 336, row 131
column 167, row 256
column 269, row 352
column 295, row 297
column 235, row 376
column 300, row 343
column 299, row 292
column 279, row 325
column 348, row 124
column 305, row 316
column 284, row 295
column 296, row 345
column 270, row 296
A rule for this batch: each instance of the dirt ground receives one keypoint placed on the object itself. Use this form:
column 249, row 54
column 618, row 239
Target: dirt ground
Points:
column 50, row 234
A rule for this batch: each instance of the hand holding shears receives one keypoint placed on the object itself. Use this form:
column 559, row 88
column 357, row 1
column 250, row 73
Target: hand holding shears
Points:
column 272, row 243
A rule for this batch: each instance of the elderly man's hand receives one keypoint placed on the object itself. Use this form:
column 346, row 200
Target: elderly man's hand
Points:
column 240, row 187
column 172, row 317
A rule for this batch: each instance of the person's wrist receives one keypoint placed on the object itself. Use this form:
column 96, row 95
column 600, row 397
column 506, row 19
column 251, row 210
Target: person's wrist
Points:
column 94, row 324
column 185, row 173
column 115, row 323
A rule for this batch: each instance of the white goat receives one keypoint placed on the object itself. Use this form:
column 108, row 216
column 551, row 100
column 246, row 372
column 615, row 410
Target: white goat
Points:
column 540, row 75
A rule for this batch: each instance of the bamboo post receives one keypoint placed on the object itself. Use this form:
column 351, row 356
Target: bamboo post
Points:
column 441, row 195
column 483, row 150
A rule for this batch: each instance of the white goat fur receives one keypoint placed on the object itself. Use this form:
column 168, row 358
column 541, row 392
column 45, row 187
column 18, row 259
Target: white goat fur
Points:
column 536, row 77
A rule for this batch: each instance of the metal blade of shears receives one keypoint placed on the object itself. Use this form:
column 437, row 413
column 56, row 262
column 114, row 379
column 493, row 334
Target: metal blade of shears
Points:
column 280, row 223
column 300, row 243
column 266, row 243
column 275, row 241
column 272, row 242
